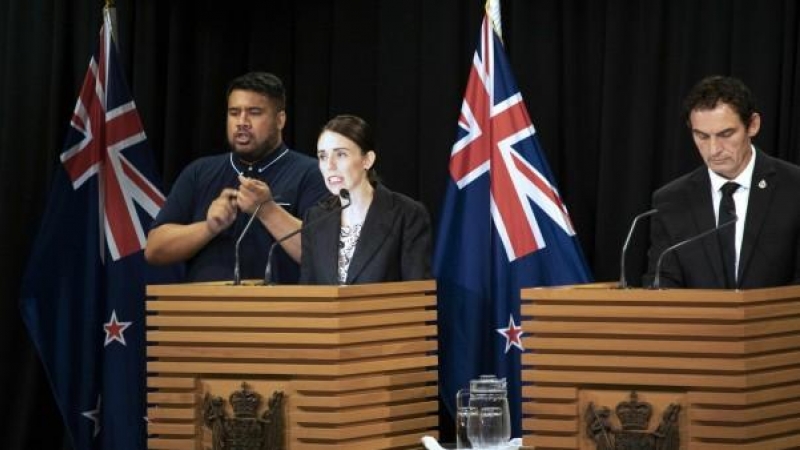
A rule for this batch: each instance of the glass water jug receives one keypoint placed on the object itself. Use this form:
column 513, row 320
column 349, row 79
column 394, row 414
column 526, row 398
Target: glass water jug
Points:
column 488, row 396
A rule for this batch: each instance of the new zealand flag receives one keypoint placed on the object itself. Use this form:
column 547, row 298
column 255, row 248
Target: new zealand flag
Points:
column 503, row 228
column 83, row 295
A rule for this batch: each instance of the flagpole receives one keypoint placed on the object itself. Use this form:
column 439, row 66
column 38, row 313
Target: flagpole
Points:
column 98, row 381
column 496, row 157
column 493, row 11
column 110, row 18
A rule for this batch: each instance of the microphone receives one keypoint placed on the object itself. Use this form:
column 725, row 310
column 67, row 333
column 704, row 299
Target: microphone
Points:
column 657, row 278
column 623, row 281
column 237, row 276
column 344, row 194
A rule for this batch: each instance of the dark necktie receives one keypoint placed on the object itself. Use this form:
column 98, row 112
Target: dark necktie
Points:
column 727, row 212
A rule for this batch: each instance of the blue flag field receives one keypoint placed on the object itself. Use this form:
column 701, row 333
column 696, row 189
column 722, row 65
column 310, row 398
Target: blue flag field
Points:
column 503, row 227
column 83, row 294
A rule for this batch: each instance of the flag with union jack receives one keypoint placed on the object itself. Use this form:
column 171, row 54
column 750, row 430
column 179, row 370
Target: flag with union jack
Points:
column 83, row 293
column 503, row 227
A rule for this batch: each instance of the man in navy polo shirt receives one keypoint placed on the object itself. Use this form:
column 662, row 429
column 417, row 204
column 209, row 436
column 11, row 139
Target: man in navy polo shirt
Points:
column 213, row 198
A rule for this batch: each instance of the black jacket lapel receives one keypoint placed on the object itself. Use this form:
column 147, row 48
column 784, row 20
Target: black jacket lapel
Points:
column 378, row 222
column 703, row 214
column 328, row 248
column 762, row 187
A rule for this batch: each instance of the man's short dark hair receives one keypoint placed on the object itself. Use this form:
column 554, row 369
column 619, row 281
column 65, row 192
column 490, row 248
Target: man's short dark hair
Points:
column 264, row 83
column 709, row 92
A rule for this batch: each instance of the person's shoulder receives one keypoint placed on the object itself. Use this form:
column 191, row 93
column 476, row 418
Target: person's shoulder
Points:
column 684, row 182
column 305, row 171
column 323, row 206
column 207, row 161
column 306, row 167
column 399, row 199
column 781, row 164
column 299, row 157
column 201, row 167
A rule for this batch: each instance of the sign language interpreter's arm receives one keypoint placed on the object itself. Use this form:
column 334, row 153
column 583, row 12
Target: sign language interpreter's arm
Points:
column 275, row 219
column 171, row 242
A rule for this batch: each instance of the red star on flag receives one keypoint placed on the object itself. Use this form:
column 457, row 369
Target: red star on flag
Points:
column 513, row 334
column 114, row 329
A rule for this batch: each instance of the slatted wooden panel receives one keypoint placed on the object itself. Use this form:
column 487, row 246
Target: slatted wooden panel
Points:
column 357, row 363
column 735, row 356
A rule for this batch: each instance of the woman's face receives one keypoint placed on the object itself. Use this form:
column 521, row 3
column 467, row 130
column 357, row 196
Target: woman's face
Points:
column 343, row 163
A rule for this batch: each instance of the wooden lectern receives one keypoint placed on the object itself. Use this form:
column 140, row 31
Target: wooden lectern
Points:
column 357, row 364
column 729, row 359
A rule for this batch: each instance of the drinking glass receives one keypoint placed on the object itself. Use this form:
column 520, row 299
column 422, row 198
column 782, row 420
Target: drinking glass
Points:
column 462, row 415
column 474, row 431
column 492, row 424
column 465, row 415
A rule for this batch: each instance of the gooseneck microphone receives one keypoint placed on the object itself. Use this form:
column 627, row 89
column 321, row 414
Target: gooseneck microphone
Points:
column 237, row 276
column 657, row 278
column 344, row 194
column 623, row 281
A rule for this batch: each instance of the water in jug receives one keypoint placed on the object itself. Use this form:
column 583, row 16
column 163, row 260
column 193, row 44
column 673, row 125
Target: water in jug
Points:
column 484, row 412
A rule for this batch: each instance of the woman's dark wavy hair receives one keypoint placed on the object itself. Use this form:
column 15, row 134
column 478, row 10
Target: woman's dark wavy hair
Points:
column 357, row 130
column 711, row 91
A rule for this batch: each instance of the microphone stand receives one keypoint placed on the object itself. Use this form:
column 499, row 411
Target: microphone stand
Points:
column 237, row 277
column 623, row 281
column 657, row 278
column 344, row 194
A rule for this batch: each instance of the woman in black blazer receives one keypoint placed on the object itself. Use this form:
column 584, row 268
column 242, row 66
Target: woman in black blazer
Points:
column 379, row 235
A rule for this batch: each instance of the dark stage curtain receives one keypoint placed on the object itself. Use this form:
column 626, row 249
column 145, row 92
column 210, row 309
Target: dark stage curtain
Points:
column 603, row 81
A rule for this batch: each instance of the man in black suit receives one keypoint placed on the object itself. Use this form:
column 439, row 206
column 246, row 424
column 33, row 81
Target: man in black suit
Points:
column 752, row 197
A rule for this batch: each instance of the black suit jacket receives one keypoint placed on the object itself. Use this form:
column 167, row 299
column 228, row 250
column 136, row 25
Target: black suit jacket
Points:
column 770, row 251
column 394, row 245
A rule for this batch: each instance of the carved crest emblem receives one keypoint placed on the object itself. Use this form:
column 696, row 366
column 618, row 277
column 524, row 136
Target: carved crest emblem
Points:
column 246, row 430
column 634, row 416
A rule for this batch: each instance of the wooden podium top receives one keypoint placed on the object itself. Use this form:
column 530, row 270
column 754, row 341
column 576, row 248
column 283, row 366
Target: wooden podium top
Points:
column 357, row 365
column 253, row 288
column 729, row 358
column 610, row 292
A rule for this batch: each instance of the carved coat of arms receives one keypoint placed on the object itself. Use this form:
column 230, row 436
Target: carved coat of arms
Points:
column 246, row 430
column 634, row 416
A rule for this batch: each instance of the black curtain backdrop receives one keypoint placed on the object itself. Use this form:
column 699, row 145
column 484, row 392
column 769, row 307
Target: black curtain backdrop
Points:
column 603, row 81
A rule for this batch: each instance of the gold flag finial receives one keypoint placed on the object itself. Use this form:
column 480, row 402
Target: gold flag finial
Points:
column 493, row 11
column 110, row 19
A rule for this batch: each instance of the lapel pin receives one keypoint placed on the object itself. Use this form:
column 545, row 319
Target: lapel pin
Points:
column 762, row 184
